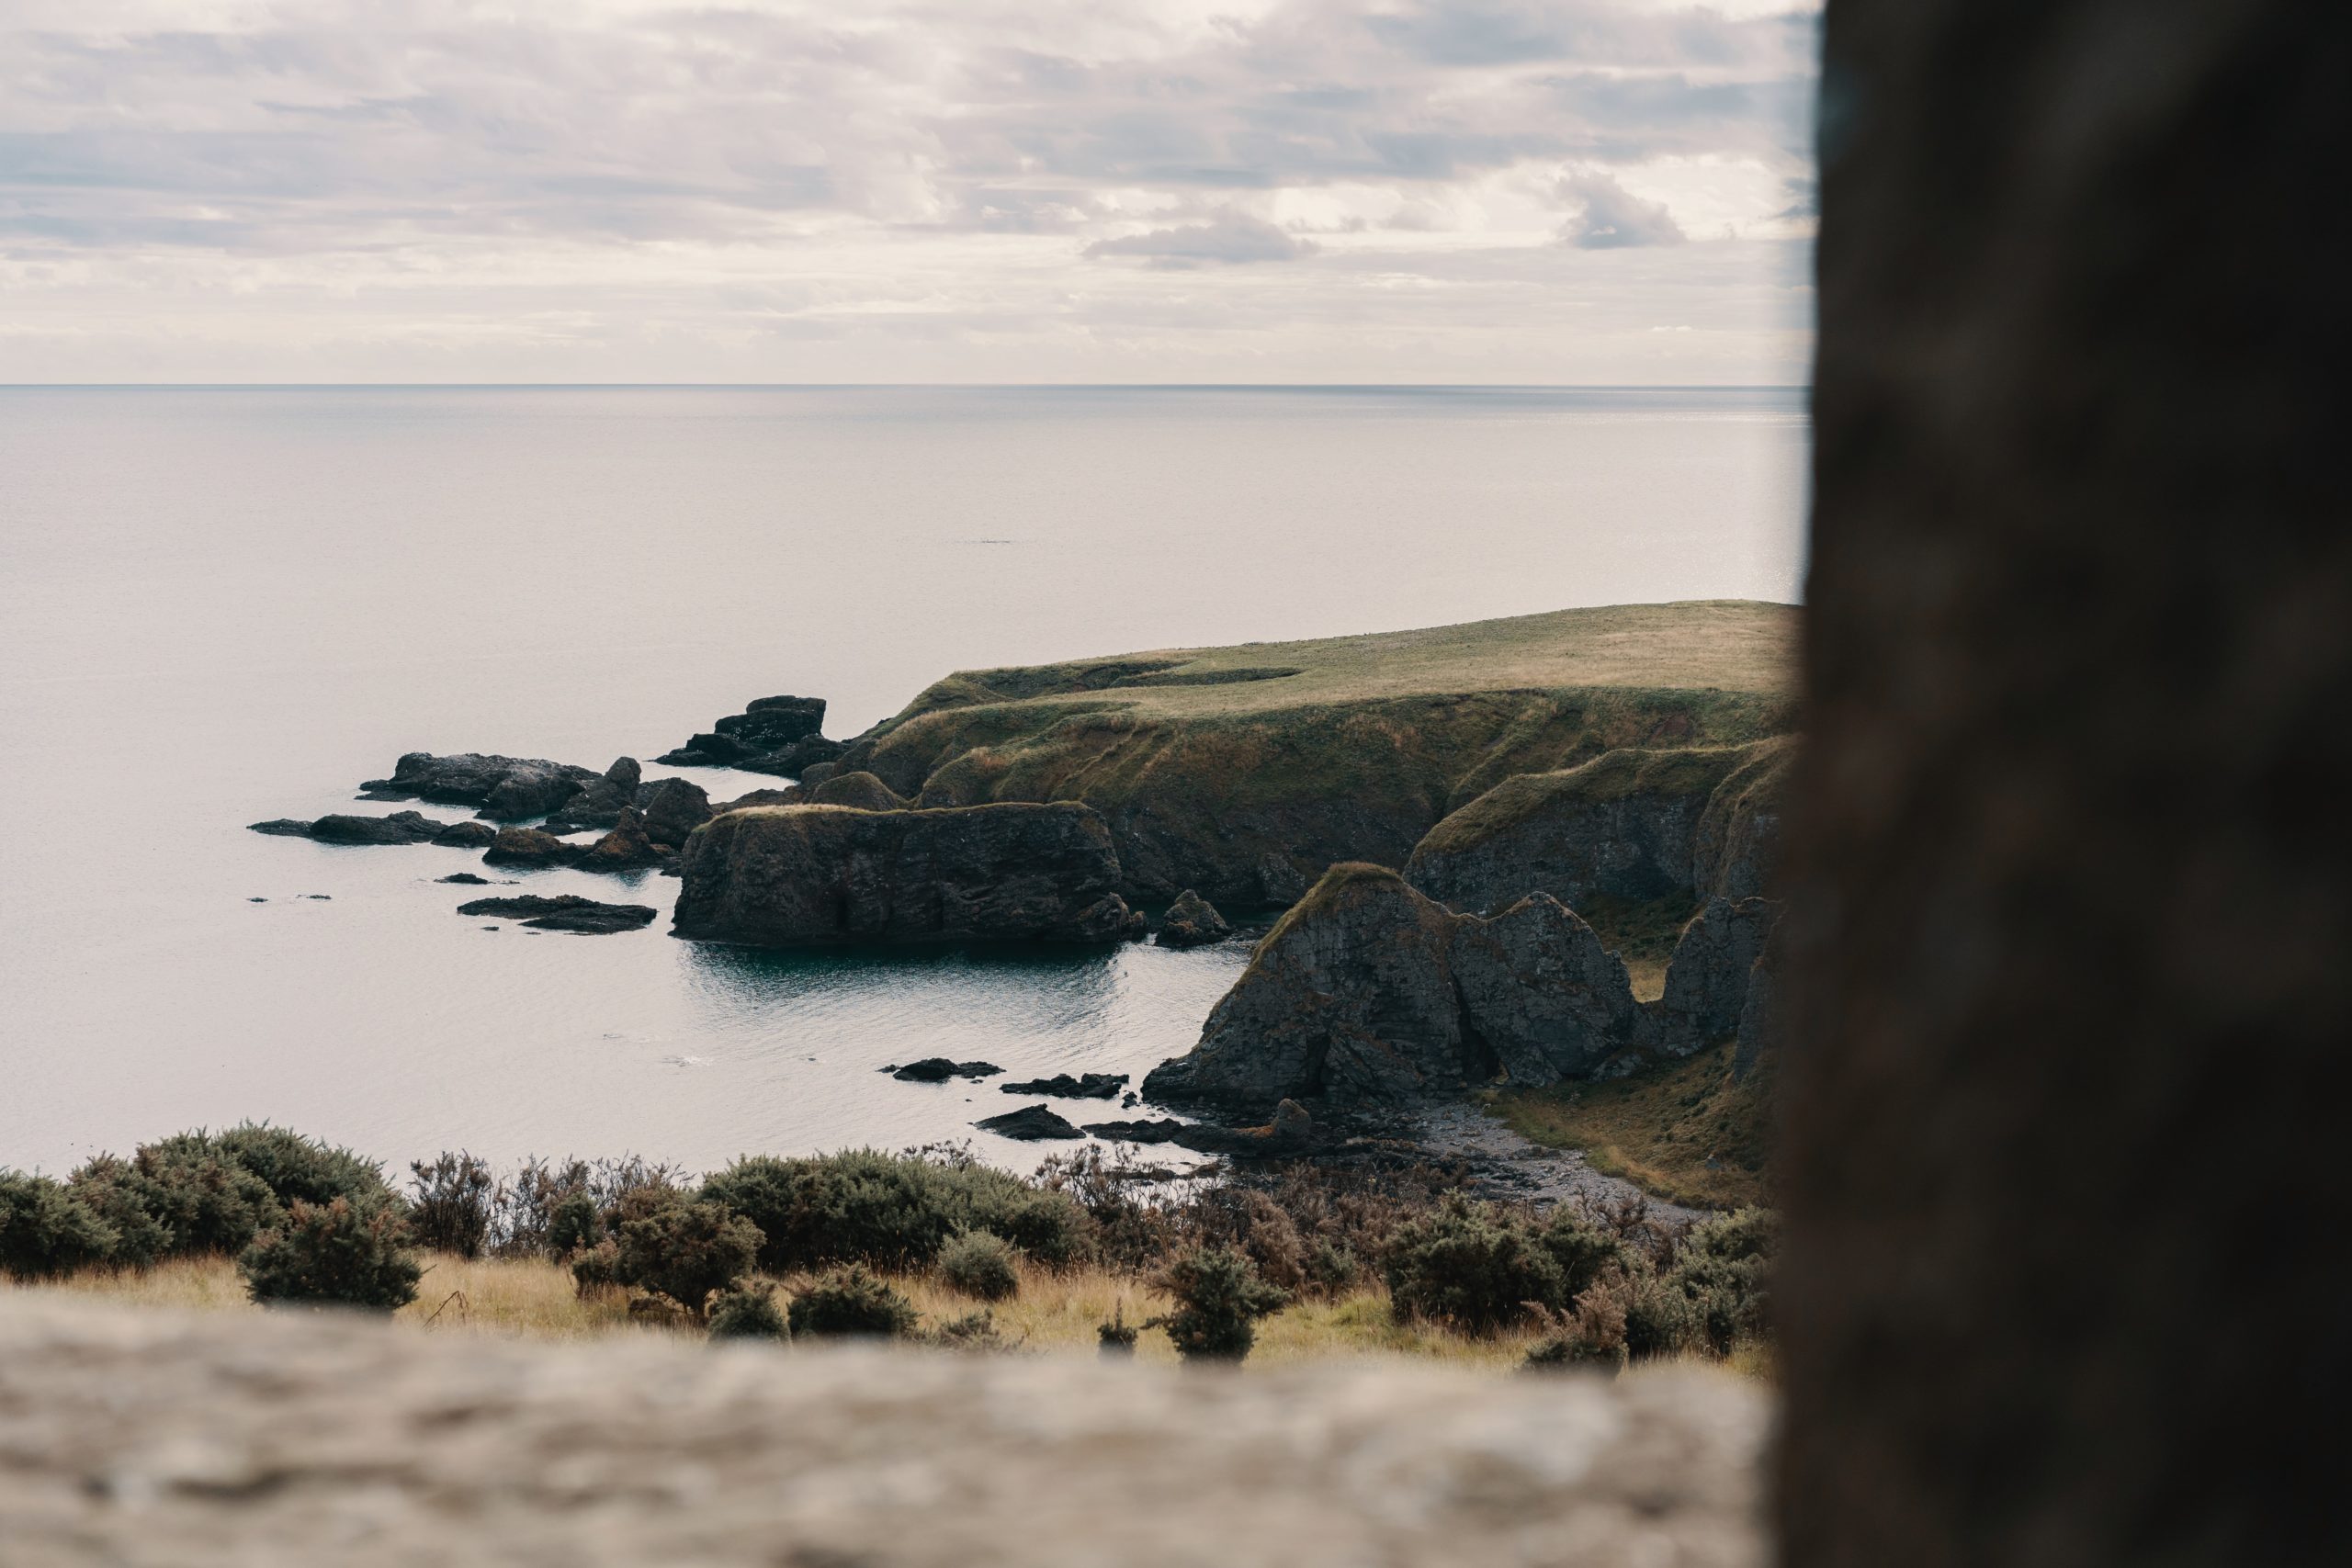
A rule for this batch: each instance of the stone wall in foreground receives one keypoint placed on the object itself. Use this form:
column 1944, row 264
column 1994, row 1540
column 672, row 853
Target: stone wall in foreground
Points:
column 134, row 1438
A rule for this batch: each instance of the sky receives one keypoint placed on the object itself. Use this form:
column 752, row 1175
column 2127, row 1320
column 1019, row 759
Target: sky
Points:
column 1228, row 191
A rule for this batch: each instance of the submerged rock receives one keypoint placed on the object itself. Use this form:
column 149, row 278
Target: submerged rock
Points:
column 812, row 874
column 565, row 912
column 939, row 1069
column 530, row 847
column 1192, row 921
column 399, row 828
column 1030, row 1123
column 465, row 878
column 1087, row 1085
column 506, row 788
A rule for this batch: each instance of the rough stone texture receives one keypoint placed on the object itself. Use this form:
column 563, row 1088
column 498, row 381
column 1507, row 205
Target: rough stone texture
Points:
column 797, row 760
column 1707, row 978
column 672, row 810
column 627, row 848
column 1762, row 1028
column 1030, row 1124
column 1062, row 1086
column 600, row 804
column 758, row 738
column 862, row 791
column 1540, row 991
column 531, row 848
column 153, row 1440
column 1633, row 824
column 939, row 1069
column 398, row 828
column 565, row 912
column 798, row 876
column 506, row 788
column 1350, row 998
column 1192, row 921
column 1369, row 995
column 2069, row 847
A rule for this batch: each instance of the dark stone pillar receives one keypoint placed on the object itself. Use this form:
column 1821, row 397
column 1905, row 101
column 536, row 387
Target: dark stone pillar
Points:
column 2066, row 1149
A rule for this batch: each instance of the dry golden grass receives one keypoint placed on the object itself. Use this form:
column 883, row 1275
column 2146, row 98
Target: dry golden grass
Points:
column 1684, row 1131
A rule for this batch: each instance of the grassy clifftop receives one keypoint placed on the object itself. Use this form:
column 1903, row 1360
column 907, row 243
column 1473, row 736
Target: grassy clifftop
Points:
column 1242, row 771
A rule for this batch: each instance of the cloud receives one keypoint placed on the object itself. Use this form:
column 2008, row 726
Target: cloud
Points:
column 1231, row 241
column 1613, row 218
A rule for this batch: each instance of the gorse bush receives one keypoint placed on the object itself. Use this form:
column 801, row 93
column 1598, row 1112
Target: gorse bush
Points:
column 452, row 1203
column 667, row 1242
column 982, row 1264
column 1219, row 1299
column 850, row 1300
column 1477, row 1266
column 1722, row 1270
column 890, row 1211
column 203, row 1197
column 45, row 1232
column 747, row 1313
column 573, row 1225
column 972, row 1331
column 341, row 1252
column 113, row 1189
column 298, row 1170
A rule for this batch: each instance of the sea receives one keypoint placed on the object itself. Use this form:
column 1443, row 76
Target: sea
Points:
column 224, row 605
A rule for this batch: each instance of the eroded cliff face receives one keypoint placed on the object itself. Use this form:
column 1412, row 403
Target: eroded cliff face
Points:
column 1636, row 824
column 804, row 876
column 1369, row 995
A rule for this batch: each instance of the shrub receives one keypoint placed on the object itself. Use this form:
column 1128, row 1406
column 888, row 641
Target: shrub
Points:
column 572, row 1225
column 1583, row 1249
column 747, row 1313
column 684, row 1250
column 45, row 1230
column 1660, row 1319
column 972, row 1331
column 452, row 1207
column 112, row 1188
column 980, row 1263
column 338, row 1251
column 1592, row 1336
column 1116, row 1339
column 205, row 1200
column 890, row 1211
column 1471, row 1267
column 1252, row 1224
column 1219, row 1299
column 1127, row 1231
column 596, row 1267
column 298, row 1170
column 1722, row 1271
column 850, row 1300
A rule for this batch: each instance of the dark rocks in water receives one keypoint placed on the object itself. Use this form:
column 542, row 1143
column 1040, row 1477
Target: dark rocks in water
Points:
column 763, row 737
column 1087, row 1085
column 939, row 1069
column 1030, row 1124
column 466, row 836
column 673, row 808
column 625, row 848
column 465, row 878
column 1192, row 921
column 794, row 761
column 1369, row 995
column 1707, row 980
column 399, row 828
column 600, row 805
column 814, row 874
column 1633, row 824
column 505, row 788
column 565, row 912
column 530, row 847
column 1198, row 1136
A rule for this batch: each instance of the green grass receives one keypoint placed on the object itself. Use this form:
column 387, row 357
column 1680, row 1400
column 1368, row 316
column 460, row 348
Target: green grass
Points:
column 1682, row 1130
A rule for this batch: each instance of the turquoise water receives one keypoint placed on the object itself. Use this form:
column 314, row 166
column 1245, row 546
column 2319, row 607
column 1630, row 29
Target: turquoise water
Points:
column 217, row 606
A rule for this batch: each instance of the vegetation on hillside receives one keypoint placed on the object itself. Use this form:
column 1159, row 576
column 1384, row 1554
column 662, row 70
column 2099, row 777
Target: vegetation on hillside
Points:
column 1684, row 1130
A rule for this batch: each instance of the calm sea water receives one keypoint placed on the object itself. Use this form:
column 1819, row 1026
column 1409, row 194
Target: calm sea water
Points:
column 222, row 606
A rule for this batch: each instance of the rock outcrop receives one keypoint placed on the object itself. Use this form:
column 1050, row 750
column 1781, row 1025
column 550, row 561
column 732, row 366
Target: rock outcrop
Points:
column 939, row 1069
column 627, row 847
column 565, row 912
column 1370, row 996
column 399, row 828
column 531, row 849
column 1192, row 921
column 141, row 1435
column 1061, row 1086
column 506, row 789
column 672, row 810
column 1636, row 824
column 800, row 875
column 774, row 735
column 862, row 791
column 1030, row 1124
column 599, row 805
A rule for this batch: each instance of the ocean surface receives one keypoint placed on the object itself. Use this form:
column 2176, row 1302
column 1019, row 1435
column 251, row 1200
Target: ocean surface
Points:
column 222, row 606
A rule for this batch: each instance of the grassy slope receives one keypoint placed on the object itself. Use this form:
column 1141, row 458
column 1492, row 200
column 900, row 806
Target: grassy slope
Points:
column 1660, row 1128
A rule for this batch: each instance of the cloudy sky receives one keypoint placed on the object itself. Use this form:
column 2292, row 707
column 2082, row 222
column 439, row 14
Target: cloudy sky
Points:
column 1572, row 191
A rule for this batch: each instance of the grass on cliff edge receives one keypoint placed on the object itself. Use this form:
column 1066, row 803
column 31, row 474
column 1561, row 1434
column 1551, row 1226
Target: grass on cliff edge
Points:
column 1684, row 1131
column 1728, row 645
column 1055, row 1313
